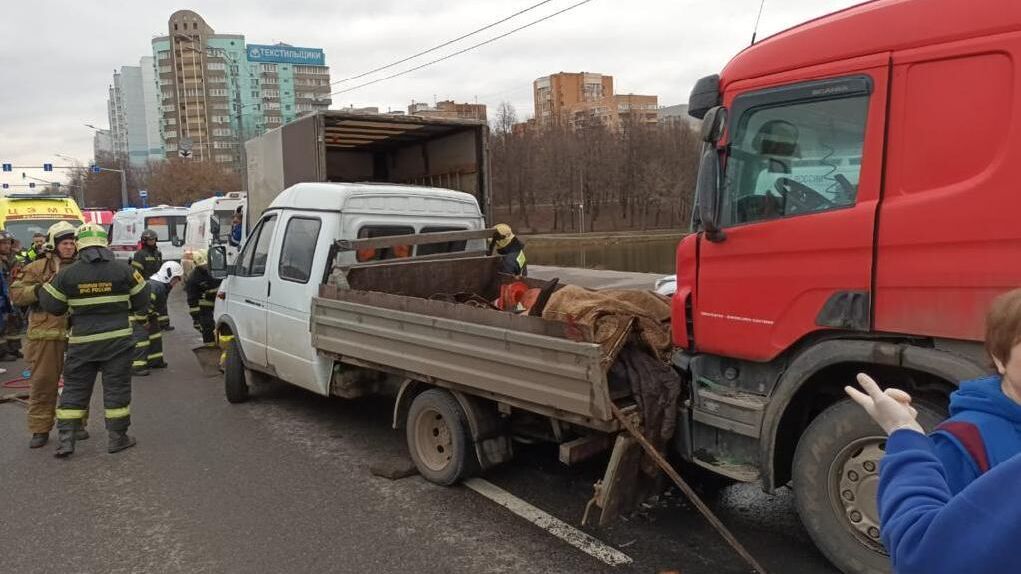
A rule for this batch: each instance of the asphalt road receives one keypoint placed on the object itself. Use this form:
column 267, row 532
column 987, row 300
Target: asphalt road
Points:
column 281, row 484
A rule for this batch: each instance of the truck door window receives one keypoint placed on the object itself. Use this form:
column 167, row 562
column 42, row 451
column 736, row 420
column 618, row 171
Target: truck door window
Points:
column 446, row 247
column 794, row 158
column 252, row 261
column 299, row 249
column 396, row 252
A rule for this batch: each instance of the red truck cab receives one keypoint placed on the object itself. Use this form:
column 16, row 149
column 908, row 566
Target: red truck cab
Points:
column 855, row 211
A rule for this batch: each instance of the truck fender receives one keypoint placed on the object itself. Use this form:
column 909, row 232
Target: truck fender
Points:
column 488, row 430
column 948, row 366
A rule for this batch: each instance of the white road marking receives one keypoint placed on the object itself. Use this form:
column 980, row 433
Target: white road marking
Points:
column 551, row 524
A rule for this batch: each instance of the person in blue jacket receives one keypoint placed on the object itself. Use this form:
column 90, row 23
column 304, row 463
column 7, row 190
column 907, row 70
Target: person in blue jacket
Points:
column 984, row 428
column 926, row 527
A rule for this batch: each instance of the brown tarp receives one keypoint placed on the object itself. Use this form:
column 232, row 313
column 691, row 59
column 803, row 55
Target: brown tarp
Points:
column 633, row 329
column 609, row 312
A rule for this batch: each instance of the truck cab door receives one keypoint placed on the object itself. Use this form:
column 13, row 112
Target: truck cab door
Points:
column 798, row 207
column 248, row 295
column 295, row 276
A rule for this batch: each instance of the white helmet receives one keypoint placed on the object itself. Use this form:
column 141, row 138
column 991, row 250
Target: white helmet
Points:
column 168, row 271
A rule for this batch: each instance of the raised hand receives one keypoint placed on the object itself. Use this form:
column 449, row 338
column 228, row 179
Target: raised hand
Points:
column 891, row 409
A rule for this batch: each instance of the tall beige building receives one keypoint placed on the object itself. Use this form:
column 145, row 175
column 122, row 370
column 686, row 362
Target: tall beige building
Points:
column 216, row 91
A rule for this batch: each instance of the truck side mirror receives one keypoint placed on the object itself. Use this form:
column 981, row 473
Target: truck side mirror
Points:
column 218, row 262
column 707, row 194
column 713, row 124
column 176, row 241
column 214, row 228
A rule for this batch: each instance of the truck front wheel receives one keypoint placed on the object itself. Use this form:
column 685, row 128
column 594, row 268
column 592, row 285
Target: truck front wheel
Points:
column 836, row 481
column 439, row 439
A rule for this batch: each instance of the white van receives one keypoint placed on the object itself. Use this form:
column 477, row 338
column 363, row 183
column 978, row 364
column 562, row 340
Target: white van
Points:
column 168, row 222
column 289, row 251
column 199, row 232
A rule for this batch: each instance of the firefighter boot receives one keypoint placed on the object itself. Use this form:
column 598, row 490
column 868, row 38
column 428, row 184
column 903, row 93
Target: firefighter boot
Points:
column 119, row 440
column 39, row 440
column 65, row 442
column 81, row 434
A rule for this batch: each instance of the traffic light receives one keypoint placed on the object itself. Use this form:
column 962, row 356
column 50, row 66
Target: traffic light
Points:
column 8, row 167
column 47, row 167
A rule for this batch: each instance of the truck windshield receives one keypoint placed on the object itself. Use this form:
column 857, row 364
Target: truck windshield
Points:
column 167, row 227
column 794, row 158
column 24, row 229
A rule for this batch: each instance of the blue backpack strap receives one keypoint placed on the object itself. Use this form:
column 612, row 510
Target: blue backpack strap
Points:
column 971, row 439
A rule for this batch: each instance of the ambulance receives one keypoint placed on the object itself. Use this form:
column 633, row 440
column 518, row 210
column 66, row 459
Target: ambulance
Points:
column 24, row 215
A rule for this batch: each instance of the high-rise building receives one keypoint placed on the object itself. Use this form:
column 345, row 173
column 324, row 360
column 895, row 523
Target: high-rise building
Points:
column 575, row 99
column 132, row 114
column 215, row 91
column 102, row 143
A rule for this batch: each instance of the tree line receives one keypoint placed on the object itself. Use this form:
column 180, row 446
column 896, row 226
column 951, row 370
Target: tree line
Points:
column 551, row 180
column 592, row 177
column 171, row 182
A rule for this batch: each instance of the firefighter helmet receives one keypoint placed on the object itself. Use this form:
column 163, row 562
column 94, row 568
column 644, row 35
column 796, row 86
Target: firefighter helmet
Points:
column 168, row 271
column 503, row 235
column 58, row 232
column 91, row 235
column 200, row 257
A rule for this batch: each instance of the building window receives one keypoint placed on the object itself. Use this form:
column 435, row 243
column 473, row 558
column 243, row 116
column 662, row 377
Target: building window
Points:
column 218, row 92
column 216, row 66
column 267, row 67
column 255, row 94
column 224, row 132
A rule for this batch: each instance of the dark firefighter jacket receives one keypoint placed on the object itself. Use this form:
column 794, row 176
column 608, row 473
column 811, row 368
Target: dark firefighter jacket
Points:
column 101, row 293
column 201, row 289
column 147, row 261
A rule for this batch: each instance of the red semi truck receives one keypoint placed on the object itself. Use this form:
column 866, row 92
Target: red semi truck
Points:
column 857, row 211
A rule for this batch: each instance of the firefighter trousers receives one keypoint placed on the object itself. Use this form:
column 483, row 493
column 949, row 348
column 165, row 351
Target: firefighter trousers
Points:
column 207, row 325
column 148, row 344
column 80, row 370
column 47, row 360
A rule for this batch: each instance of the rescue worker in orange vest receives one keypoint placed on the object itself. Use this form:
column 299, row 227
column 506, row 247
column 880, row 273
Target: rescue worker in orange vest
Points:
column 511, row 248
column 47, row 333
column 101, row 294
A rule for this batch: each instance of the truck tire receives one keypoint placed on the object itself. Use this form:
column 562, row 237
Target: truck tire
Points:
column 235, row 384
column 836, row 480
column 439, row 439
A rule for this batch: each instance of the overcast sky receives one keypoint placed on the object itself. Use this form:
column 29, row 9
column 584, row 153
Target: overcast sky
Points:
column 57, row 57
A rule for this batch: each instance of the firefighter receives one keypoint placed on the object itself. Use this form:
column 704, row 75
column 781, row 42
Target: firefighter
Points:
column 148, row 327
column 101, row 294
column 10, row 346
column 47, row 333
column 201, row 289
column 511, row 248
column 148, row 259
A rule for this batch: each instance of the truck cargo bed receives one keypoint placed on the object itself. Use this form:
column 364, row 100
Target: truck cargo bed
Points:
column 531, row 363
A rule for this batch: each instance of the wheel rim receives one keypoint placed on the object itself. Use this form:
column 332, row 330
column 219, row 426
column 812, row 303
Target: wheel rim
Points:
column 854, row 486
column 433, row 442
